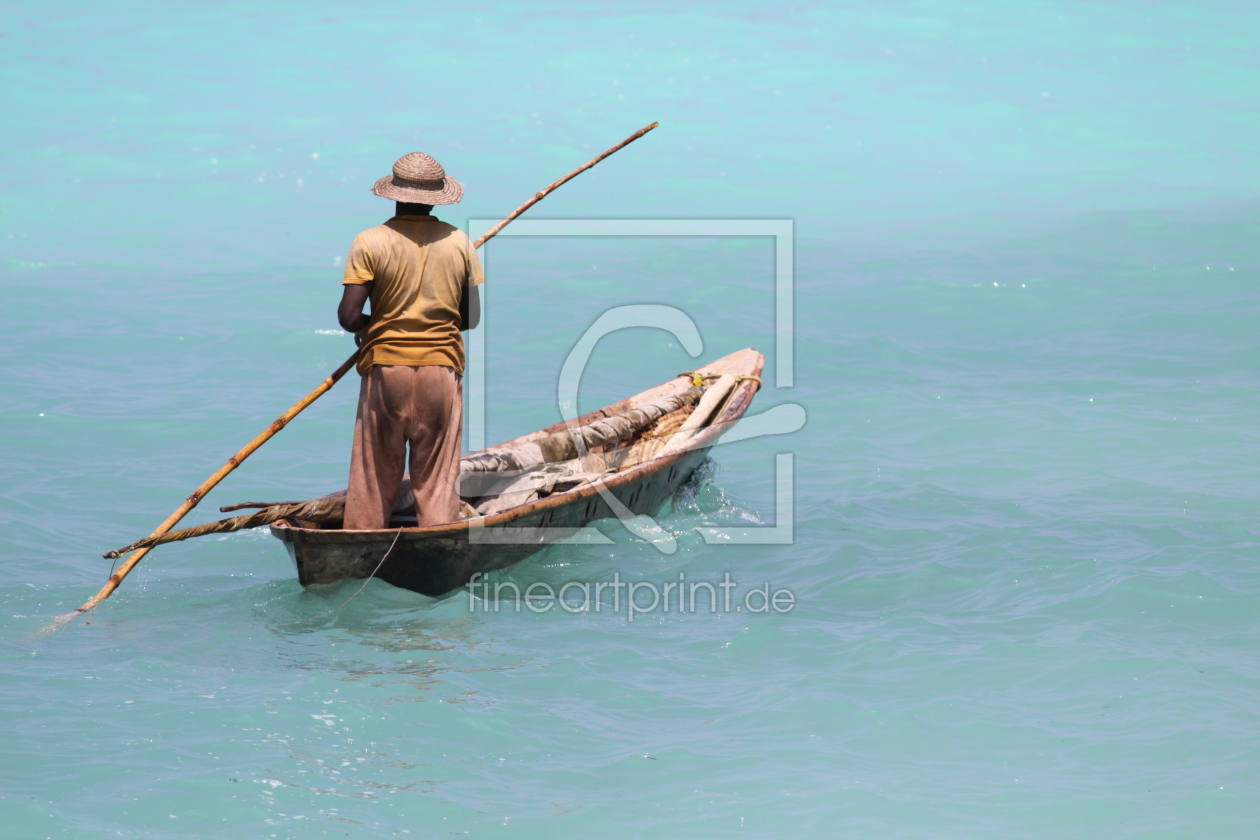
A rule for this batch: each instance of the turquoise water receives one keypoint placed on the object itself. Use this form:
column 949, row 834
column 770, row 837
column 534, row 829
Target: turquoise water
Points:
column 1024, row 501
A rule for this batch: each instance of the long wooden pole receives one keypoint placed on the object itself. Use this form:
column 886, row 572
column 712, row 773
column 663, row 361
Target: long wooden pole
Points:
column 541, row 194
column 235, row 461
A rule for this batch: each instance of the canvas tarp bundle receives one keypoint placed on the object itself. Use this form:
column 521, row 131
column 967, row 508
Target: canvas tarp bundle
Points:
column 562, row 446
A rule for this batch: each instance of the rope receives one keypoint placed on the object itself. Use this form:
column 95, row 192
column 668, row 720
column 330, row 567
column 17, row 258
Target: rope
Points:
column 92, row 611
column 742, row 378
column 361, row 588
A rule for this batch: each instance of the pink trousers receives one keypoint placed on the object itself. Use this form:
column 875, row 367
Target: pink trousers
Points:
column 399, row 406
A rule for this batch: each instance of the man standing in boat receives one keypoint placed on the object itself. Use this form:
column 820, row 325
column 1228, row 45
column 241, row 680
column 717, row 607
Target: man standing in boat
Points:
column 421, row 275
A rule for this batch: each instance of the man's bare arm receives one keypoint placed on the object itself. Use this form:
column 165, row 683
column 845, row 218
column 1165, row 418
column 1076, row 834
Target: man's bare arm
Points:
column 470, row 308
column 350, row 310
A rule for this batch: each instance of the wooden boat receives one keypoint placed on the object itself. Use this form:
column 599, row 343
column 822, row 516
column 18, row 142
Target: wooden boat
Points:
column 521, row 512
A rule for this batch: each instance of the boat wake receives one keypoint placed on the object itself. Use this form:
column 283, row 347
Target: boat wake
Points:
column 702, row 497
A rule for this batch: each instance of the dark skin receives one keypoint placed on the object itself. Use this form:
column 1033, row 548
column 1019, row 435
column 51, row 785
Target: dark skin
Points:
column 354, row 297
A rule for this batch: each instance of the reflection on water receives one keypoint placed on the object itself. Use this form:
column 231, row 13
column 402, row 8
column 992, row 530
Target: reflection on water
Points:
column 379, row 624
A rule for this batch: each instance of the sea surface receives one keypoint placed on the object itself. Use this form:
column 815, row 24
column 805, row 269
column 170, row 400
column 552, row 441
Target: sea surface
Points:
column 1022, row 510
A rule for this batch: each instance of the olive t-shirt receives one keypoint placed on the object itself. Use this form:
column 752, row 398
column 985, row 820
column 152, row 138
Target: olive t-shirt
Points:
column 419, row 267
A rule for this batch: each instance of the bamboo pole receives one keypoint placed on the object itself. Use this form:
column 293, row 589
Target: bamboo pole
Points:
column 235, row 461
column 541, row 194
column 241, row 506
column 324, row 509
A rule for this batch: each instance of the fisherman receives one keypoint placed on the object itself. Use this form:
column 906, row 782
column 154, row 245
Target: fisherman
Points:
column 421, row 275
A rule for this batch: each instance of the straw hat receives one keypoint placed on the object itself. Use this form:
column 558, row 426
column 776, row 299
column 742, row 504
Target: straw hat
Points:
column 419, row 179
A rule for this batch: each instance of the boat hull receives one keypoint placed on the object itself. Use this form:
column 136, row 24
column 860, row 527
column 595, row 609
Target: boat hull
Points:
column 436, row 563
column 437, row 559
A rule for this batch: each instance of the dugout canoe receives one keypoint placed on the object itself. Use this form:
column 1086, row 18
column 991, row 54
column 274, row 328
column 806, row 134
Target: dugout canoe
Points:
column 438, row 559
